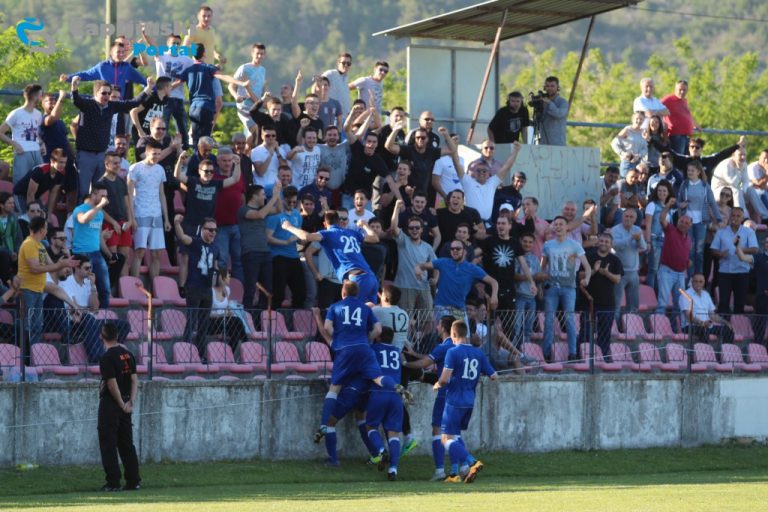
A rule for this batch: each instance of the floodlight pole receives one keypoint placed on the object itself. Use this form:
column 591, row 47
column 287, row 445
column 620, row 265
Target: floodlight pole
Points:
column 583, row 56
column 488, row 68
column 110, row 18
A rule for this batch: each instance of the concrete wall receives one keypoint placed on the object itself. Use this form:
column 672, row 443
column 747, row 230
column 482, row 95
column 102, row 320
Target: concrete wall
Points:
column 55, row 424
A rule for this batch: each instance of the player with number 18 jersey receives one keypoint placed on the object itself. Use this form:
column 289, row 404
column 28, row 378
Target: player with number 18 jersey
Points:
column 467, row 363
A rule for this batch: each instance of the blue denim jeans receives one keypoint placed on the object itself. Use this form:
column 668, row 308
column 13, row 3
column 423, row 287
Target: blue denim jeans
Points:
column 175, row 108
column 90, row 168
column 654, row 257
column 525, row 314
column 679, row 144
column 629, row 284
column 669, row 281
column 698, row 233
column 202, row 122
column 33, row 306
column 257, row 267
column 228, row 241
column 101, row 271
column 565, row 298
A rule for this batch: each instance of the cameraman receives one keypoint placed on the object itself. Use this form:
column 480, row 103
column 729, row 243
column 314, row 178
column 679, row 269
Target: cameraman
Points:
column 552, row 122
column 509, row 122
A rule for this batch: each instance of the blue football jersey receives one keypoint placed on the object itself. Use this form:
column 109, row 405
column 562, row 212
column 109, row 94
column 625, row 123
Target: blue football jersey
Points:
column 342, row 246
column 438, row 354
column 389, row 359
column 352, row 321
column 467, row 363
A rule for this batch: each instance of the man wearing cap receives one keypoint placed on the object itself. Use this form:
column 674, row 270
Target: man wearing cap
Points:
column 480, row 185
column 509, row 195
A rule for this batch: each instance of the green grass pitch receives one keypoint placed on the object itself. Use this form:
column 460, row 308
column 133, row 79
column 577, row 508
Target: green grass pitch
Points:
column 714, row 478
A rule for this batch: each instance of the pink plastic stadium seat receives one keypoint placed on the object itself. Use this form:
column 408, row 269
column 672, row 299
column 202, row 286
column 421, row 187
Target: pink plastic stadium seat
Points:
column 253, row 353
column 560, row 355
column 236, row 290
column 731, row 356
column 167, row 290
column 649, row 354
column 165, row 264
column 660, row 325
column 128, row 290
column 10, row 357
column 279, row 328
column 704, row 359
column 757, row 354
column 600, row 361
column 45, row 358
column 648, row 300
column 79, row 357
column 253, row 333
column 634, row 328
column 304, row 322
column 534, row 351
column 173, row 322
column 677, row 355
column 742, row 329
column 287, row 354
column 319, row 354
column 137, row 319
column 187, row 355
column 622, row 355
column 159, row 362
column 221, row 353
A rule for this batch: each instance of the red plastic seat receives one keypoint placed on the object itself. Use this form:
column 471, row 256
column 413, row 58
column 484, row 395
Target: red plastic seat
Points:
column 600, row 361
column 731, row 356
column 648, row 301
column 253, row 353
column 704, row 359
column 10, row 357
column 622, row 355
column 221, row 353
column 187, row 355
column 236, row 290
column 634, row 329
column 757, row 354
column 79, row 357
column 279, row 327
column 129, row 290
column 167, row 290
column 137, row 319
column 319, row 354
column 304, row 322
column 649, row 354
column 742, row 328
column 677, row 355
column 287, row 354
column 560, row 355
column 159, row 361
column 165, row 264
column 661, row 326
column 534, row 351
column 46, row 359
column 173, row 322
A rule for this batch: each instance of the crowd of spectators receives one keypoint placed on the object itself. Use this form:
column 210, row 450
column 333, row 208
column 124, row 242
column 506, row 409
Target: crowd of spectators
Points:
column 435, row 225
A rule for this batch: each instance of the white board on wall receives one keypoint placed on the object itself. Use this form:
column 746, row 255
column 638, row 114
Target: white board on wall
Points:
column 556, row 174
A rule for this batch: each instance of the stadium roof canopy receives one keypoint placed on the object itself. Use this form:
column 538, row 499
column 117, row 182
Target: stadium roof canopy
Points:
column 480, row 22
column 498, row 20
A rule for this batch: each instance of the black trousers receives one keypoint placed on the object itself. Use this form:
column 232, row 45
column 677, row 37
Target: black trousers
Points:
column 198, row 314
column 232, row 328
column 738, row 284
column 288, row 272
column 116, row 437
column 327, row 293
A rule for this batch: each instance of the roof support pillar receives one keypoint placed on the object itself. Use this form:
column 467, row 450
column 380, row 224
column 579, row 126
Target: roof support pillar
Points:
column 583, row 56
column 484, row 85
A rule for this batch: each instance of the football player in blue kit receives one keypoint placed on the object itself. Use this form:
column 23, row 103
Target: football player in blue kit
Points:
column 353, row 397
column 463, row 366
column 385, row 406
column 342, row 246
column 350, row 323
column 437, row 358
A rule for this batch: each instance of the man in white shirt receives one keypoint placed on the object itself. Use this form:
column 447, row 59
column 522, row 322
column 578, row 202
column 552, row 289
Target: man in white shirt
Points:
column 81, row 287
column 698, row 313
column 647, row 103
column 305, row 159
column 24, row 123
column 757, row 190
column 445, row 179
column 266, row 159
column 370, row 89
column 337, row 80
column 480, row 188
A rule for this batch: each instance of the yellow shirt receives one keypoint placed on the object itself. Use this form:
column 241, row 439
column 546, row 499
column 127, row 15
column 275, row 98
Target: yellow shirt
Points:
column 32, row 249
column 205, row 37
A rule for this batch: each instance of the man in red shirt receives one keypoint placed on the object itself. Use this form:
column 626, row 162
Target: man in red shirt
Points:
column 228, row 202
column 680, row 121
column 674, row 260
